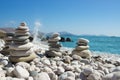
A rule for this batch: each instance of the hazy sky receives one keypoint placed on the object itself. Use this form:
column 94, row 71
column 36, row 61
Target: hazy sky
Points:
column 75, row 16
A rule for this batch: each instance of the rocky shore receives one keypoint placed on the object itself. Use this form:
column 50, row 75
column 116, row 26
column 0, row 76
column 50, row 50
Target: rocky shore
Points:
column 56, row 63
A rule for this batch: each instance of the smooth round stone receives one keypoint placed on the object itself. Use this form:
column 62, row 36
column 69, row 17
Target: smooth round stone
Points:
column 87, row 71
column 67, row 74
column 54, row 35
column 52, row 42
column 23, row 59
column 56, row 46
column 21, row 47
column 23, row 24
column 21, row 52
column 53, row 54
column 83, row 40
column 82, row 48
column 20, row 72
column 83, row 54
column 54, row 39
column 3, row 62
column 22, row 34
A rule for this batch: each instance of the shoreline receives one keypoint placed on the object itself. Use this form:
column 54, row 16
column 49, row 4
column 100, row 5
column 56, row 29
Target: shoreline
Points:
column 99, row 67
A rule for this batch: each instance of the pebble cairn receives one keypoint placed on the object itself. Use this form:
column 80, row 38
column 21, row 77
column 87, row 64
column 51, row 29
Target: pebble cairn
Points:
column 54, row 49
column 82, row 48
column 21, row 49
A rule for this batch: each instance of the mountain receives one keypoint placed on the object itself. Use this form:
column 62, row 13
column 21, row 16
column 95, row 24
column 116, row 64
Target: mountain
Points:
column 63, row 33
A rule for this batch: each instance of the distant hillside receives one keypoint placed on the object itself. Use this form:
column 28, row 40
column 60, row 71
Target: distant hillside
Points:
column 63, row 33
column 8, row 29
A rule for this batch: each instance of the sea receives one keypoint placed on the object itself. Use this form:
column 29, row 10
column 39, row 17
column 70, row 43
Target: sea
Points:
column 98, row 44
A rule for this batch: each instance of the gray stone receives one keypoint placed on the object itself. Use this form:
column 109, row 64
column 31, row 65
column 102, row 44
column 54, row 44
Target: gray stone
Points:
column 67, row 74
column 53, row 76
column 10, row 71
column 94, row 76
column 21, row 47
column 60, row 70
column 21, row 52
column 82, row 48
column 22, row 34
column 109, row 65
column 108, row 76
column 87, row 71
column 33, row 73
column 76, row 57
column 53, row 54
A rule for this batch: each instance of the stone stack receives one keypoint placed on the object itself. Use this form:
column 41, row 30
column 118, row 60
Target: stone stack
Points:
column 82, row 48
column 54, row 49
column 21, row 49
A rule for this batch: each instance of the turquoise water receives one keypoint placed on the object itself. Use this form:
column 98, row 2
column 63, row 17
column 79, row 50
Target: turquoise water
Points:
column 104, row 44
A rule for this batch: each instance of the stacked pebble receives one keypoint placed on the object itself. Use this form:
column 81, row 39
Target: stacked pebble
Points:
column 54, row 49
column 21, row 49
column 82, row 48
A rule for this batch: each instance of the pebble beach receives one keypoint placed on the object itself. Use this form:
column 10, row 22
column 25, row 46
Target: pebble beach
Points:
column 54, row 62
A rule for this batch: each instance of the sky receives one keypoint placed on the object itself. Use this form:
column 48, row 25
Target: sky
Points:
column 93, row 17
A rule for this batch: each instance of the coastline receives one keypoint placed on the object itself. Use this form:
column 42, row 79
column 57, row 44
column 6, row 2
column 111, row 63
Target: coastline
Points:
column 99, row 67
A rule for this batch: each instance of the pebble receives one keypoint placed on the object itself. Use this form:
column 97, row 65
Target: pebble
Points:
column 42, row 76
column 87, row 71
column 18, row 72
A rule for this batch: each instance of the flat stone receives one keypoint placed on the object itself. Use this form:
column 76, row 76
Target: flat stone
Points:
column 19, row 38
column 22, row 34
column 22, row 28
column 82, row 44
column 23, row 59
column 83, row 54
column 53, row 54
column 82, row 48
column 21, row 52
column 21, row 47
column 22, row 42
column 83, row 40
column 21, row 31
column 20, row 72
column 108, row 76
column 54, row 39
